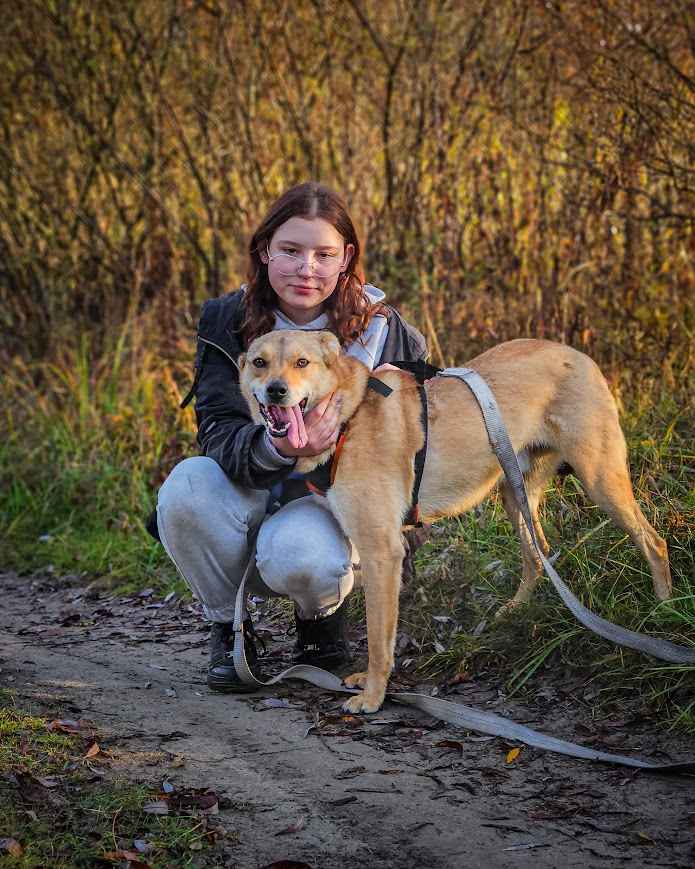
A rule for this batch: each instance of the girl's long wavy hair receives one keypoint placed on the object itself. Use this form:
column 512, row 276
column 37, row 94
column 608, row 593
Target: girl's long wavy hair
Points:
column 348, row 308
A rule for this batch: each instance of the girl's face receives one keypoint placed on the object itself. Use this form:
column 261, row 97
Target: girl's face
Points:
column 305, row 259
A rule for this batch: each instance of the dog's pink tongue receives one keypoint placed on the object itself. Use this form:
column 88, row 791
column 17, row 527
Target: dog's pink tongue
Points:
column 296, row 434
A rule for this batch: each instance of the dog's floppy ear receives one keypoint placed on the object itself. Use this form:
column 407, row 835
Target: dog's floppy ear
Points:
column 330, row 347
column 241, row 361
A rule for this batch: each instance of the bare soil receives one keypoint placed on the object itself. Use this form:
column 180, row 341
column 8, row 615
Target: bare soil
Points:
column 304, row 782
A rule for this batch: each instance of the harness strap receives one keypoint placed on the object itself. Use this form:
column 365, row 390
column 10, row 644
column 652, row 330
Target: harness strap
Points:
column 413, row 516
column 379, row 386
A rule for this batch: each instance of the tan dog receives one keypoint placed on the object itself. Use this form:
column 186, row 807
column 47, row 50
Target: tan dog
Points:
column 556, row 406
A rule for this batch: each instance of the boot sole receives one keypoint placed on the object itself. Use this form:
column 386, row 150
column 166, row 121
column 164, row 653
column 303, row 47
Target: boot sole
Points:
column 221, row 686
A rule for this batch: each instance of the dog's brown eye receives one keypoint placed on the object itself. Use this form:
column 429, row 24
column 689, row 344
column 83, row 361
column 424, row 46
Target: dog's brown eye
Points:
column 302, row 363
column 259, row 362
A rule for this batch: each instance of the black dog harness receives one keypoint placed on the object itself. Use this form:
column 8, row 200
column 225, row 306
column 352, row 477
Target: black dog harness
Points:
column 422, row 371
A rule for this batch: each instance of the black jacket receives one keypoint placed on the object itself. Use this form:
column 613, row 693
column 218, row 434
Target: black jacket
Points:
column 226, row 431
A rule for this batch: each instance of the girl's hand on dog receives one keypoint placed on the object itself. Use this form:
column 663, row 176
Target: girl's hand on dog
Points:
column 322, row 424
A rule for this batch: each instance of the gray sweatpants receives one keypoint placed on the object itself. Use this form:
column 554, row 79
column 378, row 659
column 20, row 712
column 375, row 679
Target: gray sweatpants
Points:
column 204, row 521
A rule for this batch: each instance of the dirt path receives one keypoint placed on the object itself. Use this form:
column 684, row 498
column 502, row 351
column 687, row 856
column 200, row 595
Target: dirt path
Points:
column 374, row 791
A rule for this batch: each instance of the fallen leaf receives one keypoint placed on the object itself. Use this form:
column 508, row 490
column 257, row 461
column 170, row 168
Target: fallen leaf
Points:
column 350, row 772
column 175, row 734
column 12, row 846
column 33, row 792
column 48, row 781
column 343, row 801
column 479, row 628
column 274, row 703
column 525, row 846
column 117, row 856
column 142, row 846
column 93, row 751
column 513, row 754
column 203, row 799
column 158, row 807
column 64, row 725
column 450, row 743
column 287, row 864
column 298, row 825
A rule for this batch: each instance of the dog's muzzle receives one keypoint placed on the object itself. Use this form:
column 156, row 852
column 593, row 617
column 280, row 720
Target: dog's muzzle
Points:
column 283, row 420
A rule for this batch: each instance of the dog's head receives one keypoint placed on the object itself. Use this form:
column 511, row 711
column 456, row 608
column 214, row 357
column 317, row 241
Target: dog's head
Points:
column 285, row 373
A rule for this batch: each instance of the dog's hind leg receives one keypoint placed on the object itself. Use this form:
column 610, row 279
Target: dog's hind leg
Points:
column 543, row 467
column 602, row 470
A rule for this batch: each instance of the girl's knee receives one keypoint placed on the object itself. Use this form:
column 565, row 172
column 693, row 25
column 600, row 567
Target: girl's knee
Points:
column 198, row 490
column 303, row 554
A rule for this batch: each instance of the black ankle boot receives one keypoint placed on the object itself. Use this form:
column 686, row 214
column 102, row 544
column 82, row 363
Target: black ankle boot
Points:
column 322, row 642
column 222, row 674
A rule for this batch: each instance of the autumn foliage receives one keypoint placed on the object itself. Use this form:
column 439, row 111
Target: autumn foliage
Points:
column 517, row 167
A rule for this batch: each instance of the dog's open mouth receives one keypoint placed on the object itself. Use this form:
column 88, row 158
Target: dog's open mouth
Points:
column 286, row 422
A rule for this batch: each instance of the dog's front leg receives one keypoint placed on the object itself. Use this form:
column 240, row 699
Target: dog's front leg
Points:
column 381, row 570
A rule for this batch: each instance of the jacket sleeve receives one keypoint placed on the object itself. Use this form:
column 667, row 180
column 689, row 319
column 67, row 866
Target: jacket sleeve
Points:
column 226, row 432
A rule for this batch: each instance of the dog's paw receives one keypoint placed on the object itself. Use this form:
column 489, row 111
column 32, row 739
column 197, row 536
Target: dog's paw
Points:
column 362, row 703
column 356, row 680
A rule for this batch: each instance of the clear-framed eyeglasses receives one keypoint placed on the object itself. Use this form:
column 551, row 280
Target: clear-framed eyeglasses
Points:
column 323, row 265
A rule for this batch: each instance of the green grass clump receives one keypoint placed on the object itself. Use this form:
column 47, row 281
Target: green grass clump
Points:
column 101, row 821
column 58, row 816
column 86, row 443
column 26, row 744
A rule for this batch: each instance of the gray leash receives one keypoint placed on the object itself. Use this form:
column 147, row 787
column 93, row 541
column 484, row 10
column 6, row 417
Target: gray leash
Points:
column 502, row 447
column 456, row 713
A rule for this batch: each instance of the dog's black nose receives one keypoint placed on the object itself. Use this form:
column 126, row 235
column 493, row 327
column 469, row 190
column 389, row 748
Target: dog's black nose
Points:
column 276, row 390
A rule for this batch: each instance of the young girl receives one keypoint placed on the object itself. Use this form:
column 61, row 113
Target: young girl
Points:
column 304, row 273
